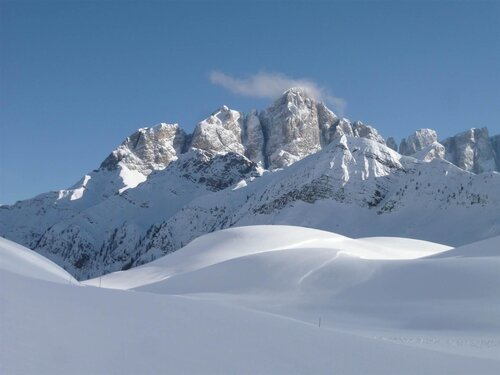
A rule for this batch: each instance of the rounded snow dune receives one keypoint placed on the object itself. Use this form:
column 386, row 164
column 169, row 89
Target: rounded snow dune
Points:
column 485, row 248
column 20, row 260
column 449, row 293
column 339, row 274
column 232, row 243
column 409, row 246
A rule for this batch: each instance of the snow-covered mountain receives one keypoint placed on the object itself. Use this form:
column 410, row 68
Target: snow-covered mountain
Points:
column 354, row 186
column 295, row 162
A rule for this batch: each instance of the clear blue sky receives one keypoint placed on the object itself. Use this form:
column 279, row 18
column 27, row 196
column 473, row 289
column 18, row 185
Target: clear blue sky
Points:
column 77, row 77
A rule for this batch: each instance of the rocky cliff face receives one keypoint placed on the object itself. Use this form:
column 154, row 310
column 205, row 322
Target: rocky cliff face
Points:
column 417, row 141
column 366, row 131
column 253, row 137
column 291, row 129
column 472, row 151
column 391, row 143
column 221, row 132
column 495, row 144
column 294, row 127
column 148, row 149
column 433, row 151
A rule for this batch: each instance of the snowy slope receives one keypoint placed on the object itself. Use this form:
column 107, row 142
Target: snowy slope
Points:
column 391, row 282
column 101, row 238
column 379, row 287
column 229, row 244
column 376, row 298
column 99, row 331
column 485, row 248
column 146, row 150
column 19, row 260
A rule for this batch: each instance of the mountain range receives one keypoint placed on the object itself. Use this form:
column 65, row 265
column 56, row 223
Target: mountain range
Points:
column 294, row 163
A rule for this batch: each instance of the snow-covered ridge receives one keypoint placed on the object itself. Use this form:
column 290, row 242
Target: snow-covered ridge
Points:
column 230, row 244
column 19, row 260
column 162, row 187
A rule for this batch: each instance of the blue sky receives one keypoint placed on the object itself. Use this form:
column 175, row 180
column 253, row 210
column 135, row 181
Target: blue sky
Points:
column 77, row 77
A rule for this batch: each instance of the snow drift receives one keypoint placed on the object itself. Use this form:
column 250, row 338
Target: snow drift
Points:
column 265, row 299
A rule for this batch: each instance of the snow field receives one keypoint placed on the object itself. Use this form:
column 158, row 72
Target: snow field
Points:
column 249, row 300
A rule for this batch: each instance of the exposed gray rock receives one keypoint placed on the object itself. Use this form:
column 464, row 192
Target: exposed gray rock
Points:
column 342, row 127
column 331, row 126
column 495, row 144
column 433, row 151
column 253, row 138
column 366, row 131
column 391, row 143
column 221, row 132
column 296, row 126
column 417, row 141
column 471, row 150
column 291, row 129
column 148, row 149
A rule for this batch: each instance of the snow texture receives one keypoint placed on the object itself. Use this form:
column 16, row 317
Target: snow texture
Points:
column 322, row 303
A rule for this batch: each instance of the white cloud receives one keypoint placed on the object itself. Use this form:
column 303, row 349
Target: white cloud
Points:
column 272, row 85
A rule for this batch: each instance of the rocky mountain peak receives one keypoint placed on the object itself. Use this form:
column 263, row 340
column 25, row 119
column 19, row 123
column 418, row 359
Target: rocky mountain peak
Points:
column 297, row 94
column 417, row 141
column 366, row 131
column 148, row 149
column 472, row 150
column 291, row 129
column 391, row 143
column 221, row 132
column 433, row 151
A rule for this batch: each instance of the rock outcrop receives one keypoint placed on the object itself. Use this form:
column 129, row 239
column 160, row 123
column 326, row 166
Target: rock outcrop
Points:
column 417, row 141
column 472, row 150
column 148, row 149
column 391, row 143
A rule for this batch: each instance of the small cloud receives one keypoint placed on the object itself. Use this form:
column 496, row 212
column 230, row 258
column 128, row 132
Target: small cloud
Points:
column 272, row 85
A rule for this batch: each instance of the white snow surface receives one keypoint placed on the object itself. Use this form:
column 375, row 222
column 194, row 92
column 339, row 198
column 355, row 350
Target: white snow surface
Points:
column 485, row 248
column 20, row 260
column 233, row 243
column 263, row 299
